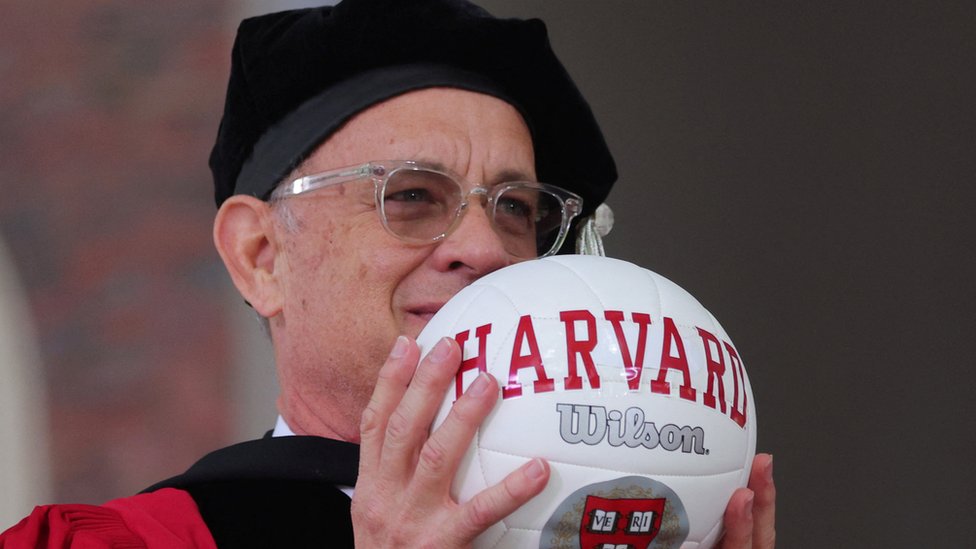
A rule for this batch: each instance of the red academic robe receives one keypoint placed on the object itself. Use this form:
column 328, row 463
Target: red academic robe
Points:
column 165, row 518
column 273, row 492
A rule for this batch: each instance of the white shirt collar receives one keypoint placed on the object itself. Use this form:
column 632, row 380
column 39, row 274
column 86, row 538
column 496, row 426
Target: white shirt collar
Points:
column 281, row 429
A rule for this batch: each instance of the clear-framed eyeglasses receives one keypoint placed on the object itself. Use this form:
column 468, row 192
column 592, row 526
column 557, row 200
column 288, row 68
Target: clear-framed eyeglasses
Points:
column 423, row 204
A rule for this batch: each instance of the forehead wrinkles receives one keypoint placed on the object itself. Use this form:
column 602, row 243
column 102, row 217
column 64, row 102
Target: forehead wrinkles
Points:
column 476, row 161
column 471, row 134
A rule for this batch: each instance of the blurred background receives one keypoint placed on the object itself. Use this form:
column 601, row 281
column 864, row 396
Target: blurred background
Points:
column 806, row 170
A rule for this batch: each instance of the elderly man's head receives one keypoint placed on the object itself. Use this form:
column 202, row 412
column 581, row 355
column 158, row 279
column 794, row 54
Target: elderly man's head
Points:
column 342, row 265
column 337, row 287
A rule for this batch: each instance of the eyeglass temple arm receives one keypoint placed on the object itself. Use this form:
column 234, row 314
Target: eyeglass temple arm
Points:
column 310, row 182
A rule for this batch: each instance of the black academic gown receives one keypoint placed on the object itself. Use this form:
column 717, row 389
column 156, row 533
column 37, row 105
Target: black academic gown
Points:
column 274, row 492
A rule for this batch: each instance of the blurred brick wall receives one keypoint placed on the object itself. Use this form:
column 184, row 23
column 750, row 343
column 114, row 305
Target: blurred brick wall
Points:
column 107, row 113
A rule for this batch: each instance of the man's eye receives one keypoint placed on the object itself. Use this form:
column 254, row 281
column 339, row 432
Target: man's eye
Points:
column 411, row 195
column 515, row 208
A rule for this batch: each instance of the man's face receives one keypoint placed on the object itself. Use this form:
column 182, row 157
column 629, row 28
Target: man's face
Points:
column 349, row 288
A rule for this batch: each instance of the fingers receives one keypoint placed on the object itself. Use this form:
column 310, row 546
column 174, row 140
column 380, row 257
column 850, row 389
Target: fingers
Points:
column 444, row 450
column 403, row 496
column 739, row 520
column 750, row 518
column 409, row 424
column 764, row 510
column 393, row 379
column 500, row 500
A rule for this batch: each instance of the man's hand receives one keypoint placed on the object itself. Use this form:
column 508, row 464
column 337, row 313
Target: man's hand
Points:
column 750, row 518
column 402, row 497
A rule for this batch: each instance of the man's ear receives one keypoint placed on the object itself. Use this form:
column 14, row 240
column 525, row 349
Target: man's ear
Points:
column 245, row 237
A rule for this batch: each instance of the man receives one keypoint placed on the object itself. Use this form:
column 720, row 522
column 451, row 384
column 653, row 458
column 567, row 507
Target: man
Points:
column 373, row 159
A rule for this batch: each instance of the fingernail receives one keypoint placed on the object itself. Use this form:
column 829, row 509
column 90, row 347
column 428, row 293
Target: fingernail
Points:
column 749, row 502
column 535, row 469
column 441, row 350
column 480, row 385
column 769, row 469
column 399, row 348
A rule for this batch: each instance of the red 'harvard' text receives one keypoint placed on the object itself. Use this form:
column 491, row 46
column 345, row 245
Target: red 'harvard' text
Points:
column 673, row 374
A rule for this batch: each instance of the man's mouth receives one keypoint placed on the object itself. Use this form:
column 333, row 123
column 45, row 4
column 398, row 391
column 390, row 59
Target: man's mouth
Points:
column 425, row 316
column 426, row 312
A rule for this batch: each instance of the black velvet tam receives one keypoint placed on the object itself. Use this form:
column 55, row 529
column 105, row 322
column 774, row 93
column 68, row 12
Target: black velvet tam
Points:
column 297, row 76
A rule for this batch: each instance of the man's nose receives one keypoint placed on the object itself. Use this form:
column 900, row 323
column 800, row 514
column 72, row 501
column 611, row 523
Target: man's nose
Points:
column 474, row 246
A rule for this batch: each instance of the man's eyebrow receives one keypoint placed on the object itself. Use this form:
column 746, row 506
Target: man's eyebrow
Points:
column 506, row 176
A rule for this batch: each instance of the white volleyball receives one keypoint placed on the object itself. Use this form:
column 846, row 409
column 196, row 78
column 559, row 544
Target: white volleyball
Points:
column 624, row 382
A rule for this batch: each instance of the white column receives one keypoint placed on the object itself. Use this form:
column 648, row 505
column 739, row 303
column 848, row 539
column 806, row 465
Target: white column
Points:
column 24, row 463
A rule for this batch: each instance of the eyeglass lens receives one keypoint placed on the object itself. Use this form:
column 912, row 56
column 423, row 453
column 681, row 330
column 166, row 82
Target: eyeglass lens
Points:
column 422, row 205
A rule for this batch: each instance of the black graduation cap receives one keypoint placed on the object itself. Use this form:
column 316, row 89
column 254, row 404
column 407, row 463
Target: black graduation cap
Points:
column 298, row 75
